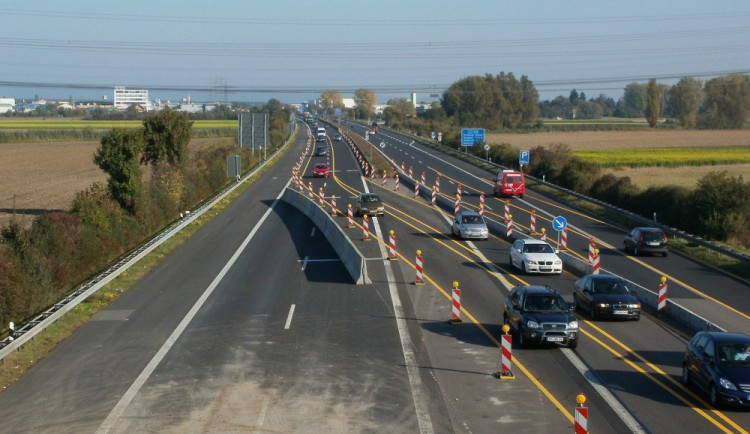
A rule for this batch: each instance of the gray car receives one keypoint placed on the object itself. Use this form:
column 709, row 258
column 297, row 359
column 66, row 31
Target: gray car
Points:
column 370, row 204
column 469, row 224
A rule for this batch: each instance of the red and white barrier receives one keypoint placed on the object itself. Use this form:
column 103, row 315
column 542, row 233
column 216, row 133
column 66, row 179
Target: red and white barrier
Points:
column 403, row 166
column 458, row 190
column 458, row 204
column 481, row 204
column 310, row 191
column 434, row 195
column 385, row 176
column 456, row 313
column 581, row 415
column 532, row 223
column 592, row 248
column 424, row 179
column 564, row 239
column 509, row 227
column 411, row 174
column 416, row 189
column 365, row 229
column 507, row 209
column 661, row 305
column 396, row 177
column 543, row 237
column 506, row 354
column 334, row 212
column 437, row 184
column 595, row 264
column 392, row 247
column 321, row 198
column 418, row 267
column 350, row 215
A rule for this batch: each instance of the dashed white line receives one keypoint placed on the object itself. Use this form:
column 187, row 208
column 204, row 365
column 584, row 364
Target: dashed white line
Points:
column 289, row 317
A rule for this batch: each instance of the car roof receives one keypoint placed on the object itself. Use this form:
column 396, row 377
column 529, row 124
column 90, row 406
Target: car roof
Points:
column 648, row 229
column 536, row 289
column 729, row 337
column 369, row 195
column 604, row 277
column 468, row 212
column 533, row 241
column 321, row 165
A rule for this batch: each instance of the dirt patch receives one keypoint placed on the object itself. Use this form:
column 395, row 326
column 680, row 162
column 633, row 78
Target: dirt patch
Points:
column 686, row 176
column 39, row 177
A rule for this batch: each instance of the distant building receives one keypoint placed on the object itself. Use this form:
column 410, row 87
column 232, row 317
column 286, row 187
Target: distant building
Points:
column 125, row 98
column 7, row 104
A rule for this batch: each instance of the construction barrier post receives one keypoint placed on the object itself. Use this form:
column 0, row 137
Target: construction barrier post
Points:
column 365, row 229
column 481, row 204
column 543, row 237
column 592, row 248
column 662, row 301
column 416, row 189
column 456, row 314
column 395, row 176
column 458, row 204
column 385, row 176
column 310, row 191
column 424, row 178
column 509, row 226
column 507, row 209
column 564, row 239
column 506, row 355
column 581, row 415
column 350, row 215
column 532, row 223
column 434, row 195
column 392, row 247
column 320, row 195
column 437, row 184
column 333, row 206
column 418, row 267
column 595, row 268
column 411, row 174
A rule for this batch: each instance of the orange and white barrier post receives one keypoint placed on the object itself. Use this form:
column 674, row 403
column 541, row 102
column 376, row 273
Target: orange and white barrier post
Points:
column 416, row 189
column 481, row 204
column 532, row 223
column 321, row 198
column 403, row 166
column 424, row 178
column 418, row 280
column 437, row 184
column 333, row 206
column 564, row 239
column 434, row 195
column 456, row 314
column 661, row 305
column 592, row 248
column 397, row 181
column 392, row 247
column 350, row 215
column 372, row 173
column 595, row 264
column 458, row 190
column 509, row 227
column 365, row 229
column 506, row 354
column 385, row 176
column 411, row 173
column 310, row 191
column 581, row 415
column 458, row 204
column 543, row 237
column 507, row 209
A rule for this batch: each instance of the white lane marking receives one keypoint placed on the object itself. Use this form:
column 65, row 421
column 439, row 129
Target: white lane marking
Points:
column 412, row 368
column 307, row 260
column 304, row 263
column 262, row 414
column 289, row 318
column 596, row 383
column 116, row 414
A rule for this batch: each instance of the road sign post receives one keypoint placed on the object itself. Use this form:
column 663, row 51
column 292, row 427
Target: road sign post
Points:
column 559, row 224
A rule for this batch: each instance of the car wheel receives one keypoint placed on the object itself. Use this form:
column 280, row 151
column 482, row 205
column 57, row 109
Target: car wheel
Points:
column 713, row 396
column 685, row 375
column 592, row 311
column 523, row 268
column 520, row 196
column 520, row 339
column 573, row 344
column 635, row 251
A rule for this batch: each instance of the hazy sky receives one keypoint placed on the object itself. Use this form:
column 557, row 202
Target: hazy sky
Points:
column 292, row 50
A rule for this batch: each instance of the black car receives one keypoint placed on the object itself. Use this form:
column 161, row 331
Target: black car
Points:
column 646, row 240
column 321, row 151
column 337, row 137
column 604, row 295
column 719, row 363
column 538, row 314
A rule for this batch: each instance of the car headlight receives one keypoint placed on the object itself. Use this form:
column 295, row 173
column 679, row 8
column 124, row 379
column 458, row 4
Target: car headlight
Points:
column 634, row 306
column 603, row 305
column 727, row 384
column 532, row 324
column 573, row 325
column 558, row 262
column 532, row 262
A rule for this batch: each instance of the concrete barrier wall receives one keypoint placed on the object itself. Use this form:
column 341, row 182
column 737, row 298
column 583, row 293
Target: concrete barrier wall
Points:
column 350, row 256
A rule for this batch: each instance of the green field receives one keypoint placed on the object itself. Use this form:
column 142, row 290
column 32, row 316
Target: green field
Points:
column 78, row 124
column 666, row 157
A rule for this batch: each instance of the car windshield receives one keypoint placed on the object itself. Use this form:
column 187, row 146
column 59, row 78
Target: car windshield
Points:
column 610, row 288
column 471, row 219
column 370, row 199
column 652, row 236
column 735, row 354
column 321, row 166
column 543, row 303
column 537, row 248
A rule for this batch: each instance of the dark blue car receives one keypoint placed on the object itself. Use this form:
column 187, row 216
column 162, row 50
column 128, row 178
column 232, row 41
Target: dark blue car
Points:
column 719, row 363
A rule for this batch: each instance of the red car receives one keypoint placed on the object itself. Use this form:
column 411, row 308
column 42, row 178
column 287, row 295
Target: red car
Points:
column 321, row 170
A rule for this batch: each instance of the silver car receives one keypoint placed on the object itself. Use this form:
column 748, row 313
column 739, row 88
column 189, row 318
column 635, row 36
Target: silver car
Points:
column 469, row 224
column 370, row 204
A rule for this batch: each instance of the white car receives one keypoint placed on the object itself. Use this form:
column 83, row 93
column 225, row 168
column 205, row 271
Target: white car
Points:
column 535, row 256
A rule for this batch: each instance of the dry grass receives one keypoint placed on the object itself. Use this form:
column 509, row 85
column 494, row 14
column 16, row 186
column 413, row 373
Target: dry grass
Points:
column 626, row 139
column 39, row 177
column 685, row 176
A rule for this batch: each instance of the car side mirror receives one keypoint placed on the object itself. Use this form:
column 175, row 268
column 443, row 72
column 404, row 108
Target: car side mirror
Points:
column 557, row 251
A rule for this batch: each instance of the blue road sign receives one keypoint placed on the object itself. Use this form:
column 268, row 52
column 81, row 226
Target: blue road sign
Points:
column 559, row 223
column 471, row 136
column 433, row 135
column 523, row 158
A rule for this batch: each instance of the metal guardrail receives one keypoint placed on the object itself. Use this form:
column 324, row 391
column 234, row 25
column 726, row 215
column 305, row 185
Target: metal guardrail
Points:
column 33, row 327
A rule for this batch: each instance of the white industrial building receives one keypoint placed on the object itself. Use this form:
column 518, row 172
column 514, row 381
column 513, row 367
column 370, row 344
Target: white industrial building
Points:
column 7, row 104
column 125, row 98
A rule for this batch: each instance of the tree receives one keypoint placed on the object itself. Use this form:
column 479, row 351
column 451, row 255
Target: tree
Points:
column 633, row 102
column 118, row 156
column 573, row 96
column 403, row 105
column 684, row 100
column 653, row 103
column 727, row 101
column 364, row 100
column 331, row 100
column 166, row 136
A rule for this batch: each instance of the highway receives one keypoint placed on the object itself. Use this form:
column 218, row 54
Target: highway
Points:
column 255, row 325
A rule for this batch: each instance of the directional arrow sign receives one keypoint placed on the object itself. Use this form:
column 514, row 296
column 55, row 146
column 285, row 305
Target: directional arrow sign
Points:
column 559, row 223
